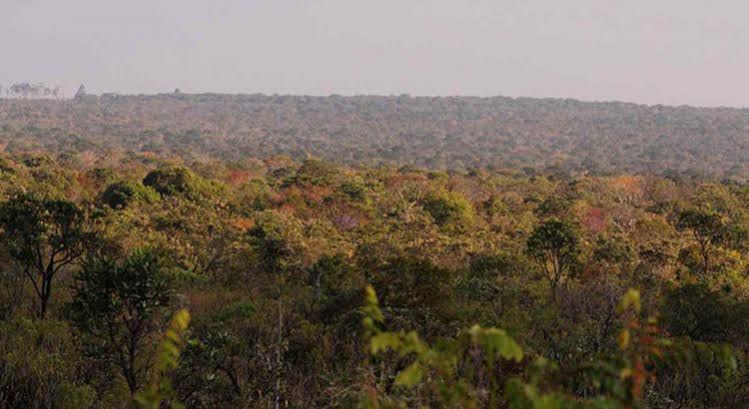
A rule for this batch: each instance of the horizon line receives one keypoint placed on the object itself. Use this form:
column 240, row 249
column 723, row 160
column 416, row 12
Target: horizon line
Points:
column 360, row 95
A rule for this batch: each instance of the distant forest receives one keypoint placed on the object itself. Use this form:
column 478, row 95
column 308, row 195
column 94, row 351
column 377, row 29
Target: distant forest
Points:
column 457, row 133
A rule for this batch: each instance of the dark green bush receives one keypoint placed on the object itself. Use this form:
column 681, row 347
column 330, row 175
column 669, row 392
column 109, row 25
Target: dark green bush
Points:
column 119, row 195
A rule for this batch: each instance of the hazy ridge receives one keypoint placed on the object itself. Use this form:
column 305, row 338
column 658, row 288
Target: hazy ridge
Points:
column 434, row 132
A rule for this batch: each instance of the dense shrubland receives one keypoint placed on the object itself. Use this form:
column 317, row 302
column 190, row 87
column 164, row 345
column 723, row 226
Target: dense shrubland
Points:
column 493, row 289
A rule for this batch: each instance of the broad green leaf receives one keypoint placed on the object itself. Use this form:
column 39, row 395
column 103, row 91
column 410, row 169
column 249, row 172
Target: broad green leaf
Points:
column 410, row 376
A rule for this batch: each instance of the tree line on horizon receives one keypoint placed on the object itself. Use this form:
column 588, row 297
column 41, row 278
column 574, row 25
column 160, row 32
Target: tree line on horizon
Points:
column 27, row 90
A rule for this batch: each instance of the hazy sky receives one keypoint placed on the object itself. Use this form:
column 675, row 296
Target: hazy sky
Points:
column 650, row 51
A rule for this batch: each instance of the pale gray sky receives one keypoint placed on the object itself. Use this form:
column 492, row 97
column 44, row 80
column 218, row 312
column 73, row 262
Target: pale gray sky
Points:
column 649, row 51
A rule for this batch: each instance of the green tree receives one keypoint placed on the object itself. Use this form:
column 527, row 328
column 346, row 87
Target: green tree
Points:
column 415, row 291
column 120, row 305
column 181, row 181
column 315, row 172
column 704, row 315
column 449, row 209
column 707, row 228
column 43, row 236
column 119, row 195
column 170, row 181
column 554, row 246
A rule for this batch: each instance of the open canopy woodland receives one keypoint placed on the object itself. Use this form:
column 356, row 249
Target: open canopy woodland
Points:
column 377, row 252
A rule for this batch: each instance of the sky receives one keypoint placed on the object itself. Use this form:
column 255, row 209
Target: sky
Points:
column 672, row 52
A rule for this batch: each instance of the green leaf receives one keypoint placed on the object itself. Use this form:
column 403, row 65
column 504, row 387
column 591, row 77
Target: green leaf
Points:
column 410, row 376
column 631, row 299
column 384, row 341
column 496, row 341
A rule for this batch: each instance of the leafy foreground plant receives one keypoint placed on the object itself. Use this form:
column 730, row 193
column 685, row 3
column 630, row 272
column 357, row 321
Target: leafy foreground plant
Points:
column 160, row 387
column 466, row 372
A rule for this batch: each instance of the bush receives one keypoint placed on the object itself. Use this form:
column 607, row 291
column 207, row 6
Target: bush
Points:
column 315, row 172
column 704, row 315
column 38, row 366
column 355, row 190
column 171, row 181
column 120, row 195
column 176, row 181
column 449, row 209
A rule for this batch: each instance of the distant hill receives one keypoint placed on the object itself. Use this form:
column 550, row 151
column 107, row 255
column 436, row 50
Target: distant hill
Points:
column 434, row 132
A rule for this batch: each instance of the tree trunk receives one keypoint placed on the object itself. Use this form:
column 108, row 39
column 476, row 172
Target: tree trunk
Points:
column 705, row 260
column 45, row 295
column 277, row 397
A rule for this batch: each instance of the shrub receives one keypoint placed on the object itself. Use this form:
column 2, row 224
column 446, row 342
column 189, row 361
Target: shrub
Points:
column 171, row 181
column 38, row 366
column 177, row 180
column 120, row 195
column 315, row 172
column 449, row 209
